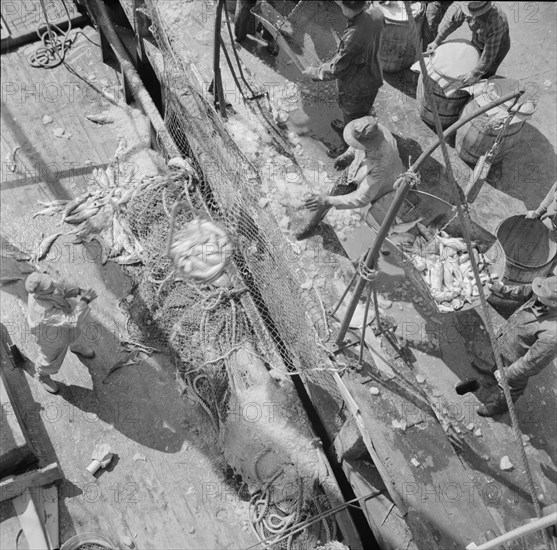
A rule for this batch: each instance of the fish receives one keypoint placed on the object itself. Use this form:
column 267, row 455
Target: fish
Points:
column 54, row 203
column 44, row 247
column 51, row 210
column 101, row 178
column 129, row 259
column 100, row 119
column 82, row 216
column 402, row 239
column 9, row 280
column 126, row 196
column 73, row 204
column 405, row 227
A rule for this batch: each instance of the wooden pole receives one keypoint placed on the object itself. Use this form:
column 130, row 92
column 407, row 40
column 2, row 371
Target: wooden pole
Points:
column 403, row 189
column 220, row 100
column 99, row 11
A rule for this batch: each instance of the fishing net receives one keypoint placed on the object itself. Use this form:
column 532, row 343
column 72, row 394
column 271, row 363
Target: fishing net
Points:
column 261, row 426
column 254, row 409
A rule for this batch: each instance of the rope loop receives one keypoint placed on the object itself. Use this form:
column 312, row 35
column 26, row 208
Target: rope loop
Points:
column 365, row 272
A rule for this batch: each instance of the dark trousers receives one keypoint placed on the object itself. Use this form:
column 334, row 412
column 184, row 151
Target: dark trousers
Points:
column 354, row 112
column 434, row 12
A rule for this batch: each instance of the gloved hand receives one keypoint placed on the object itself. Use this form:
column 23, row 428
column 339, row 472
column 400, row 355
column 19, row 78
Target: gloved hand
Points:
column 531, row 215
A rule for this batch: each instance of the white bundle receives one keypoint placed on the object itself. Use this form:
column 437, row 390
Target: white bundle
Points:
column 201, row 251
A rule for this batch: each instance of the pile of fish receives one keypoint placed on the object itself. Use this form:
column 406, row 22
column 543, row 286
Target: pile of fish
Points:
column 446, row 267
column 98, row 214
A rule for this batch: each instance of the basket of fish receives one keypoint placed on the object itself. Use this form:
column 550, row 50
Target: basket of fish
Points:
column 200, row 250
column 446, row 267
column 437, row 263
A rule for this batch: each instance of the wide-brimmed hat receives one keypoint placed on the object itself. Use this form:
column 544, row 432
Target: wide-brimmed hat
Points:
column 38, row 282
column 546, row 288
column 475, row 9
column 361, row 133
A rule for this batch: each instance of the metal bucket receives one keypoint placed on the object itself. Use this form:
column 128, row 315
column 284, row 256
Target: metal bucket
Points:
column 527, row 249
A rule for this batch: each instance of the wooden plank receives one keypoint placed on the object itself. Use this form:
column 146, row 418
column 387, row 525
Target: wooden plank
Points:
column 389, row 528
column 16, row 450
column 47, row 508
column 16, row 485
column 30, row 521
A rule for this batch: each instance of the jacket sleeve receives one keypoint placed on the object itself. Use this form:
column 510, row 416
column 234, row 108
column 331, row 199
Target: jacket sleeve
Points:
column 549, row 198
column 452, row 20
column 540, row 354
column 346, row 54
column 57, row 318
column 520, row 293
column 491, row 48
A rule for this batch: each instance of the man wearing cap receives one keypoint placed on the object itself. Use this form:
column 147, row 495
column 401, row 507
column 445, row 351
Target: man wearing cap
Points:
column 490, row 34
column 54, row 317
column 526, row 341
column 355, row 66
column 375, row 165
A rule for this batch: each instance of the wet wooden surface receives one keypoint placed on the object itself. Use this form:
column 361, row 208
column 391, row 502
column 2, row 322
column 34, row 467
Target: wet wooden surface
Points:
column 166, row 486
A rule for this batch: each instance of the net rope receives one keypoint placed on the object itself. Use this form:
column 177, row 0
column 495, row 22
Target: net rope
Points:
column 463, row 214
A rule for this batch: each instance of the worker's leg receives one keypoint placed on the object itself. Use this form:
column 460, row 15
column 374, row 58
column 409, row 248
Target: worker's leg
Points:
column 501, row 54
column 244, row 21
column 434, row 12
column 518, row 375
column 78, row 346
column 48, row 363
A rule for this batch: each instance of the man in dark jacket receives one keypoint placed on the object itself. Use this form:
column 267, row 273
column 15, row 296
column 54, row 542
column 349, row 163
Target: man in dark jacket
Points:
column 355, row 66
column 526, row 340
column 434, row 12
column 490, row 34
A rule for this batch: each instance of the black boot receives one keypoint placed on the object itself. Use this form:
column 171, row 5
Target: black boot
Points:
column 495, row 405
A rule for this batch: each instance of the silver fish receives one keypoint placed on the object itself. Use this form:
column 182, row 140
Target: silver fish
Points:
column 129, row 259
column 44, row 247
column 73, row 204
column 83, row 216
column 9, row 280
column 405, row 227
column 47, row 211
column 54, row 203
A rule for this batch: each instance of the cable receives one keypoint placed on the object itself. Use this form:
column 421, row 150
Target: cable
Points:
column 466, row 227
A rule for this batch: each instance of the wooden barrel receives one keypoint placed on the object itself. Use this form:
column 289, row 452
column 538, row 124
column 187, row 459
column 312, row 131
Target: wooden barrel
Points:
column 399, row 44
column 449, row 108
column 476, row 137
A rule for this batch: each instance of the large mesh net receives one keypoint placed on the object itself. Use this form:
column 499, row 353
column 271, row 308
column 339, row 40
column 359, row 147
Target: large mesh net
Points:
column 255, row 411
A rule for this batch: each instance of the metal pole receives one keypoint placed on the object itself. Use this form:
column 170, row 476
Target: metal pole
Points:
column 217, row 82
column 401, row 193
